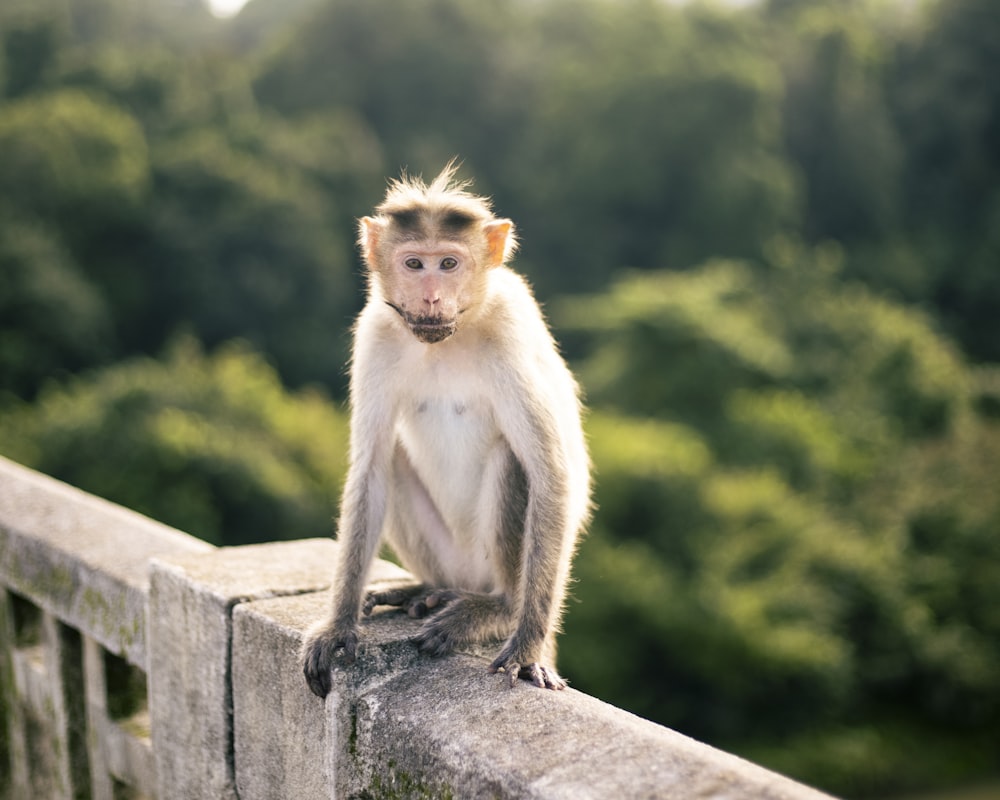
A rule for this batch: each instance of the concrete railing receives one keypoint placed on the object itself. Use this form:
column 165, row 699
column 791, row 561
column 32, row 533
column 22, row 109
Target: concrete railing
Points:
column 137, row 661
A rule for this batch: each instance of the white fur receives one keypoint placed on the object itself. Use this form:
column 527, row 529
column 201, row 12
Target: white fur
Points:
column 455, row 420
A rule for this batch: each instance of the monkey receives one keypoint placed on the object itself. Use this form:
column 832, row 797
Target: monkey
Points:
column 467, row 451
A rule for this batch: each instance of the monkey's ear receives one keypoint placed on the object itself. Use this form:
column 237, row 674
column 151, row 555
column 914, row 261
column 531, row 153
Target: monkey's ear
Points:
column 369, row 231
column 500, row 241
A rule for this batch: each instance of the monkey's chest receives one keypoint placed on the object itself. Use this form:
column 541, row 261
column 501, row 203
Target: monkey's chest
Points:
column 448, row 442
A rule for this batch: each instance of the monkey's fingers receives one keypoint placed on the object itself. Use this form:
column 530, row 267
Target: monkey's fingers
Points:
column 543, row 677
column 390, row 597
column 509, row 668
column 417, row 601
column 322, row 654
column 434, row 641
column 425, row 603
column 319, row 682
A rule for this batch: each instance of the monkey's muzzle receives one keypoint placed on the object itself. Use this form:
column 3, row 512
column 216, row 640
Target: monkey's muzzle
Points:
column 431, row 332
column 428, row 329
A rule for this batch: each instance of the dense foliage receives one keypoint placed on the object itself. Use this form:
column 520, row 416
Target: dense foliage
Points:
column 767, row 235
column 800, row 486
column 212, row 445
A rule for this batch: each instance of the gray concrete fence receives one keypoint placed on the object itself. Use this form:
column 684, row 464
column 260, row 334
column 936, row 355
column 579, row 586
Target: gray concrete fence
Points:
column 137, row 661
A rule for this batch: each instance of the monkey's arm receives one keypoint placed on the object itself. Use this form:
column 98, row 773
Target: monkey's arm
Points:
column 362, row 514
column 335, row 640
column 528, row 411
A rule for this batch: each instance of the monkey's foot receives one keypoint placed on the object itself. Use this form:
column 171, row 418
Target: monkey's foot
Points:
column 323, row 650
column 440, row 634
column 541, row 676
column 463, row 618
column 417, row 601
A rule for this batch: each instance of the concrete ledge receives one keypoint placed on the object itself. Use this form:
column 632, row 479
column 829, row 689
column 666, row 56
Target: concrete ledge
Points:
column 284, row 735
column 229, row 711
column 191, row 603
column 122, row 748
column 81, row 558
column 399, row 724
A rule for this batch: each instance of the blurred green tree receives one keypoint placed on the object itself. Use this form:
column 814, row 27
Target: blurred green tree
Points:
column 656, row 141
column 73, row 159
column 231, row 224
column 241, row 245
column 947, row 106
column 211, row 444
column 838, row 127
column 73, row 181
column 385, row 60
column 27, row 57
column 763, row 502
column 52, row 320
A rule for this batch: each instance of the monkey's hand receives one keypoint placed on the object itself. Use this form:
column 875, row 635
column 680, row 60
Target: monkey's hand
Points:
column 324, row 649
column 509, row 663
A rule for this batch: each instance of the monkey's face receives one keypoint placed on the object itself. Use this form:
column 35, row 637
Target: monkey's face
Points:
column 430, row 284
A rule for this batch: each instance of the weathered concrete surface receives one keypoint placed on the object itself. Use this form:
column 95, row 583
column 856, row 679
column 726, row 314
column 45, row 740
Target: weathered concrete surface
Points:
column 118, row 749
column 41, row 694
column 455, row 728
column 82, row 558
column 284, row 735
column 191, row 604
column 229, row 707
column 403, row 725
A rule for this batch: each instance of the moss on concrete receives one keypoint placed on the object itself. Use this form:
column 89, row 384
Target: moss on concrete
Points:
column 397, row 784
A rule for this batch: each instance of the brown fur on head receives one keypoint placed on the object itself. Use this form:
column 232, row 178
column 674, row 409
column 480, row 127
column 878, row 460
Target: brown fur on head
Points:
column 416, row 211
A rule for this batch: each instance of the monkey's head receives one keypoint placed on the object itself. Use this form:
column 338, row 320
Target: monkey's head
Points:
column 429, row 250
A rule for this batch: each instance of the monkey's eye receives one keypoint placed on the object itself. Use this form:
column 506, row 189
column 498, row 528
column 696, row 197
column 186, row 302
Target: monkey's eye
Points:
column 414, row 263
column 448, row 263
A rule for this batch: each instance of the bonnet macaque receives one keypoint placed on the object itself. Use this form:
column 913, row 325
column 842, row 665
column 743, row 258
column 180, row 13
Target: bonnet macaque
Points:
column 467, row 452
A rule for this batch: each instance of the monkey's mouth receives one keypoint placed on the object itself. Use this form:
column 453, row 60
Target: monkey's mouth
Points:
column 432, row 330
column 427, row 329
